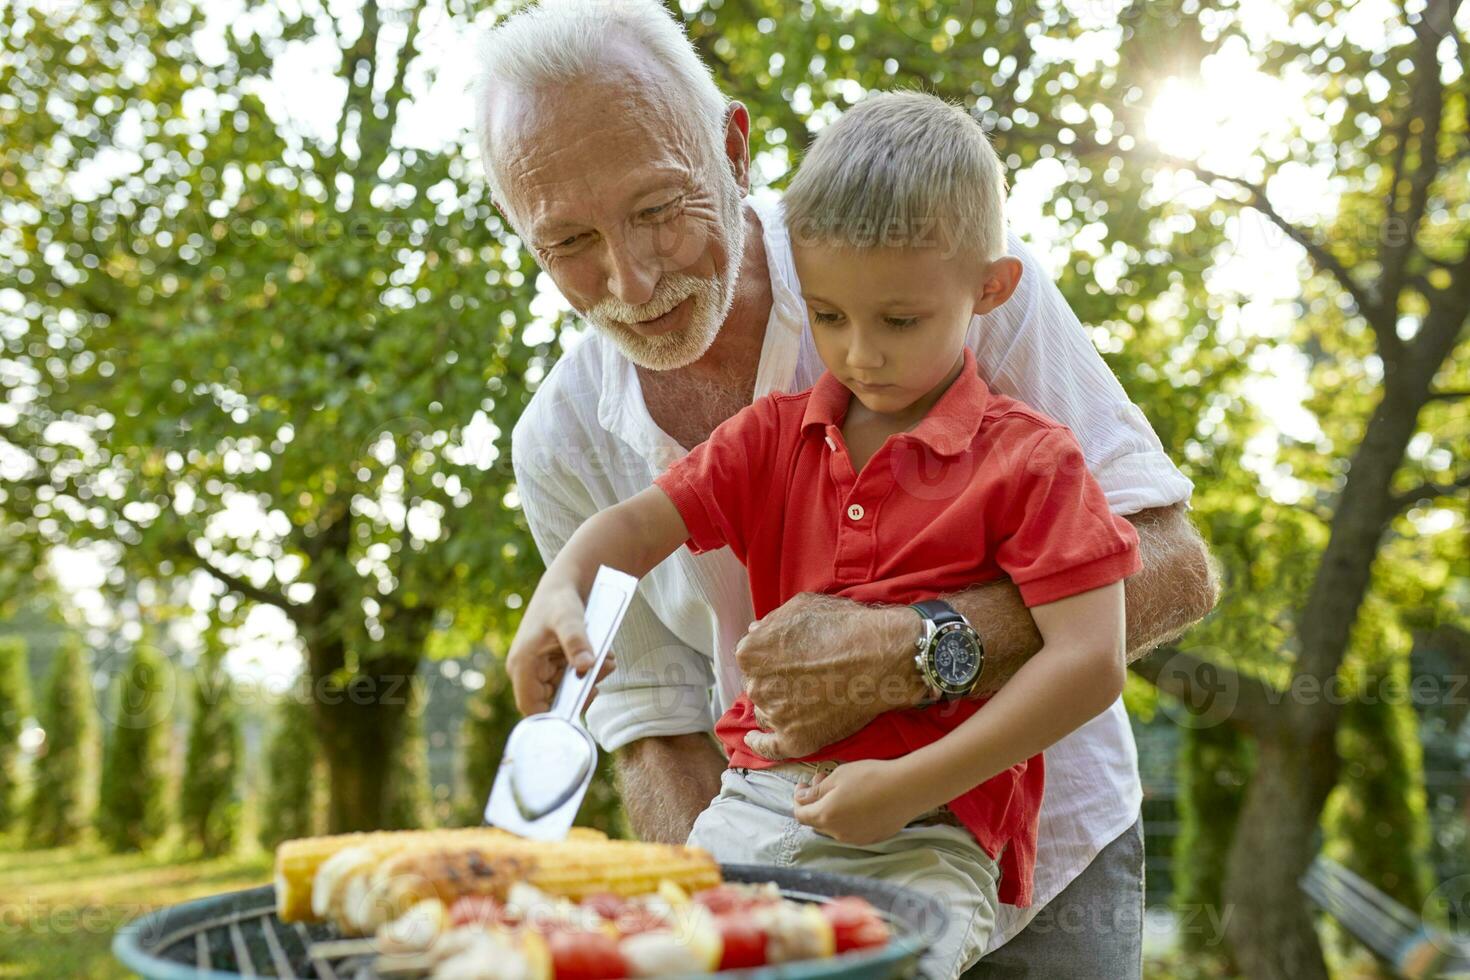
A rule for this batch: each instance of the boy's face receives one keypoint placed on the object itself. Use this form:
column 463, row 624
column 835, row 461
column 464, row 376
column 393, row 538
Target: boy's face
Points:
column 890, row 323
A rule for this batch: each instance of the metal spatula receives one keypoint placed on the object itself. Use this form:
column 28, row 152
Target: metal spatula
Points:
column 550, row 758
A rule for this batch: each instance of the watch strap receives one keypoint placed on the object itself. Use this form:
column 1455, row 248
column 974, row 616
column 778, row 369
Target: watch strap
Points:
column 938, row 611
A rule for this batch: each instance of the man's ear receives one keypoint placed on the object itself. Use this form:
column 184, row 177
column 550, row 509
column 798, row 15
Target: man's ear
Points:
column 998, row 282
column 737, row 143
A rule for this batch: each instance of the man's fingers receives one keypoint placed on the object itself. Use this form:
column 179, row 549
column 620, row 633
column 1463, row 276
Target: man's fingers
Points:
column 767, row 745
column 607, row 668
column 524, row 670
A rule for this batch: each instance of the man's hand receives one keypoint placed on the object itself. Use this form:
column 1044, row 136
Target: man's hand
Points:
column 552, row 632
column 820, row 668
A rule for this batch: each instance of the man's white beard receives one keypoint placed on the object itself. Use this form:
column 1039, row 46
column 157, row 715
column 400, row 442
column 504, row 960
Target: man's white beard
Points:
column 712, row 299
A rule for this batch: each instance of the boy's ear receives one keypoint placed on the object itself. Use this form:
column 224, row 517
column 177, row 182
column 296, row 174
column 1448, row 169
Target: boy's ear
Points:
column 999, row 281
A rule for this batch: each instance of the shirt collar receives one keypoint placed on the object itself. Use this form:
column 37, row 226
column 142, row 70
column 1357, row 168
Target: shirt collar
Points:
column 948, row 429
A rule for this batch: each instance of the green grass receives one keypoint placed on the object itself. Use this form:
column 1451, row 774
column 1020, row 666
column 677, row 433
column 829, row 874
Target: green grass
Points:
column 60, row 908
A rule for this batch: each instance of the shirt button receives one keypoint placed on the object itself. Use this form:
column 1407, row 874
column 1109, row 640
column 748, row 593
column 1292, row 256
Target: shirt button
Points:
column 855, row 512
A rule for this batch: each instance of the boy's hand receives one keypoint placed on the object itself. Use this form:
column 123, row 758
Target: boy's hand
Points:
column 857, row 803
column 552, row 633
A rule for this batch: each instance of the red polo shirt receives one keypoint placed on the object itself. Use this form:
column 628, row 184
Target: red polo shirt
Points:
column 983, row 487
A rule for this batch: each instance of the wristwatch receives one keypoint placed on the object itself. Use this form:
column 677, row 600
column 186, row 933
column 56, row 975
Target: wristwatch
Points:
column 950, row 656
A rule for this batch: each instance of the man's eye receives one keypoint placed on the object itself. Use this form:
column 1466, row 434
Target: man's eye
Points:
column 570, row 242
column 657, row 210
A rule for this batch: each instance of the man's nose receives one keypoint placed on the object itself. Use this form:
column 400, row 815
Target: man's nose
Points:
column 632, row 273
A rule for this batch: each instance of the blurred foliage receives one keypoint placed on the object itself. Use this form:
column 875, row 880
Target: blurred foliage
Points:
column 15, row 708
column 131, row 813
column 1376, row 816
column 290, row 799
column 65, row 767
column 209, row 795
column 1214, row 765
column 408, row 790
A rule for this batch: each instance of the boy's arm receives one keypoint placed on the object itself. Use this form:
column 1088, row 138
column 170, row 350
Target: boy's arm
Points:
column 1078, row 672
column 633, row 537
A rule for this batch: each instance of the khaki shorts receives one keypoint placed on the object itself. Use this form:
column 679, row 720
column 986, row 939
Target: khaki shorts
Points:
column 751, row 822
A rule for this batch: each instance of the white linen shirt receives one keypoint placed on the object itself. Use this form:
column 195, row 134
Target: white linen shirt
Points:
column 586, row 441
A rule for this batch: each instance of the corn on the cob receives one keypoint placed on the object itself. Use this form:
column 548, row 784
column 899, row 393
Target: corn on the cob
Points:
column 297, row 861
column 570, row 869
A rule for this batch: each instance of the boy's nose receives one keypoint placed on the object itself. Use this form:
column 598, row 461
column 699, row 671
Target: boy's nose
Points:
column 862, row 354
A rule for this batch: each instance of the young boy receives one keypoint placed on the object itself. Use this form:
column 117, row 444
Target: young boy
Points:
column 898, row 477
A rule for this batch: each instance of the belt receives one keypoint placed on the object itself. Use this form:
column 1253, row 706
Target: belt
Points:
column 800, row 772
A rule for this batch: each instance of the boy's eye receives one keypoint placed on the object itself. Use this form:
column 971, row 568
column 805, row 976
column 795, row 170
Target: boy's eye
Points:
column 821, row 316
column 901, row 322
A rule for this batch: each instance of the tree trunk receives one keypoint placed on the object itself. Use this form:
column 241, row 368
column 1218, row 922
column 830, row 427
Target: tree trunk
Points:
column 1268, row 924
column 359, row 725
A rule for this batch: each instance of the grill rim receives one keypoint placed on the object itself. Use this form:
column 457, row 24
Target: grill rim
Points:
column 916, row 928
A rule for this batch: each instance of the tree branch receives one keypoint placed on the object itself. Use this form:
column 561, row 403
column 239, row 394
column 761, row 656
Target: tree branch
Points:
column 1448, row 396
column 1212, row 691
column 1426, row 109
column 1429, row 491
column 185, row 551
column 1323, row 258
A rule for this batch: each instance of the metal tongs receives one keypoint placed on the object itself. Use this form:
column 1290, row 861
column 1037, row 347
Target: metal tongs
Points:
column 550, row 757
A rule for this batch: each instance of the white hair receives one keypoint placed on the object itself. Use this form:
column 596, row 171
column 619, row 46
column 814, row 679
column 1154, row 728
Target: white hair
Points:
column 901, row 169
column 556, row 41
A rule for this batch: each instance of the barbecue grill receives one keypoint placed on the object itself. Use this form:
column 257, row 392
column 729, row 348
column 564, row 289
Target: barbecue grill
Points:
column 238, row 935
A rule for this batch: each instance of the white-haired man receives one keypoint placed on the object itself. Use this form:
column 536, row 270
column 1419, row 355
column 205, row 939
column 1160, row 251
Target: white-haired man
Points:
column 612, row 153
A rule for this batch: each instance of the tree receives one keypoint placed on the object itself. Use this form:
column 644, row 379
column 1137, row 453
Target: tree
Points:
column 250, row 312
column 15, row 707
column 1385, row 322
column 130, row 806
column 209, row 800
column 60, row 798
column 289, row 799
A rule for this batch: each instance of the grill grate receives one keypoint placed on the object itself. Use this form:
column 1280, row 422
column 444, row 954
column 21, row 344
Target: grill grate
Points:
column 252, row 942
column 238, row 934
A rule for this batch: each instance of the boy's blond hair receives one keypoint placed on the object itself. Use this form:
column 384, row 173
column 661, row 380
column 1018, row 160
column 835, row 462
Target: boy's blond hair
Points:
column 901, row 169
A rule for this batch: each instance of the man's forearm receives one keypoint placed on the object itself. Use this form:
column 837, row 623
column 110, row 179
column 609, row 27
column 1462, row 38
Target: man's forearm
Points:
column 666, row 782
column 1174, row 590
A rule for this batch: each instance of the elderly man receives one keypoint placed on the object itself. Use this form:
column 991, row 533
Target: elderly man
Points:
column 616, row 159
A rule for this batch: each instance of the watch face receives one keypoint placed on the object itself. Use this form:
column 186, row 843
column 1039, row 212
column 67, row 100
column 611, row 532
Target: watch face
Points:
column 956, row 658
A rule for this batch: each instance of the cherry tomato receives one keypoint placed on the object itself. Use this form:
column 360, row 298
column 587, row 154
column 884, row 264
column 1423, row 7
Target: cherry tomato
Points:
column 579, row 955
column 855, row 923
column 605, row 904
column 727, row 898
column 744, row 941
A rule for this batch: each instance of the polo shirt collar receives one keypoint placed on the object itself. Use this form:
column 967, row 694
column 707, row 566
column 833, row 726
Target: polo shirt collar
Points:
column 949, row 429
